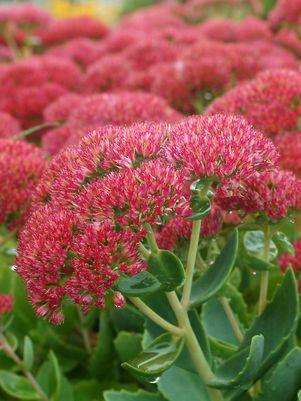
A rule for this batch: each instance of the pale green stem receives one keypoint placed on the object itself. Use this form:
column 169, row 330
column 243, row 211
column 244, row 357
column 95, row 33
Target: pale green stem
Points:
column 84, row 332
column 193, row 346
column 193, row 249
column 232, row 319
column 36, row 128
column 144, row 252
column 200, row 263
column 5, row 346
column 264, row 281
column 151, row 238
column 152, row 315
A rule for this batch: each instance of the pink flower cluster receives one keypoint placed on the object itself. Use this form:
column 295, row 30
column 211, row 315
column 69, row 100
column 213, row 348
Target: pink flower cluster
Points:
column 92, row 203
column 86, row 113
column 272, row 101
column 6, row 304
column 21, row 165
column 293, row 261
column 30, row 85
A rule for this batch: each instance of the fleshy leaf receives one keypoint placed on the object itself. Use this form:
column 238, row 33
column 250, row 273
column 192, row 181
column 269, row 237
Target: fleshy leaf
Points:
column 285, row 380
column 240, row 371
column 283, row 243
column 157, row 357
column 28, row 355
column 277, row 323
column 253, row 250
column 178, row 384
column 167, row 269
column 127, row 345
column 17, row 386
column 123, row 395
column 140, row 284
column 212, row 281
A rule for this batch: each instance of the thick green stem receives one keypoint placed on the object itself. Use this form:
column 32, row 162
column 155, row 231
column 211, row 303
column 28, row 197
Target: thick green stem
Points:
column 152, row 315
column 151, row 238
column 232, row 319
column 84, row 332
column 264, row 281
column 193, row 249
column 143, row 251
column 193, row 346
column 5, row 346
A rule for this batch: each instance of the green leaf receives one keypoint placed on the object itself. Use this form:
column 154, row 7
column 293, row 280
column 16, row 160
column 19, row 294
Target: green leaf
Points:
column 128, row 345
column 299, row 396
column 12, row 340
column 17, row 386
column 178, row 384
column 283, row 244
column 217, row 325
column 240, row 372
column 212, row 281
column 167, row 268
column 141, row 395
column 253, row 242
column 47, row 378
column 56, row 374
column 277, row 323
column 28, row 355
column 237, row 303
column 101, row 358
column 127, row 318
column 140, row 284
column 157, row 357
column 285, row 380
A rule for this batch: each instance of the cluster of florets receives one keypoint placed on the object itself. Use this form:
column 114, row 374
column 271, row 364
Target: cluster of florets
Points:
column 227, row 30
column 24, row 14
column 30, row 85
column 91, row 112
column 272, row 101
column 62, row 30
column 286, row 12
column 289, row 146
column 293, row 261
column 6, row 304
column 21, row 166
column 96, row 227
column 83, row 51
column 272, row 193
column 9, row 126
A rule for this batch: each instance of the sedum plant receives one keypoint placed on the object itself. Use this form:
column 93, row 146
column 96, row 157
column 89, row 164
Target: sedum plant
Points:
column 175, row 229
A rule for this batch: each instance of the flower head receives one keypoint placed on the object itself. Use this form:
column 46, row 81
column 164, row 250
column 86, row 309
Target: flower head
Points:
column 61, row 30
column 107, row 74
column 287, row 260
column 6, row 303
column 272, row 193
column 9, row 126
column 289, row 146
column 272, row 101
column 219, row 147
column 21, row 165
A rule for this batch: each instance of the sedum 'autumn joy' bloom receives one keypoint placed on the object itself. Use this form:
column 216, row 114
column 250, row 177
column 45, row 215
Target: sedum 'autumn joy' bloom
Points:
column 289, row 146
column 21, row 165
column 95, row 199
column 6, row 303
column 271, row 101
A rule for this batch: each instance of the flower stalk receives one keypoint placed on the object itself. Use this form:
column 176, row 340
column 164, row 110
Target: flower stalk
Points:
column 264, row 281
column 5, row 346
column 192, row 253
